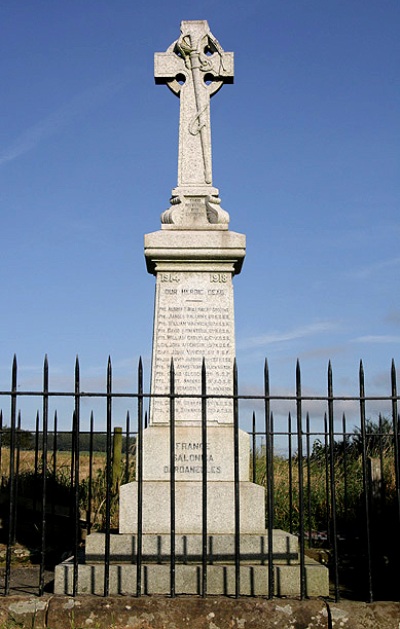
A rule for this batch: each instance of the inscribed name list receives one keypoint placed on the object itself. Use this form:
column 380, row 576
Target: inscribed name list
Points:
column 193, row 320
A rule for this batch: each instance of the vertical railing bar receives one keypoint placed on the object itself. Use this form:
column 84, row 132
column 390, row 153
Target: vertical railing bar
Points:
column 268, row 480
column 17, row 466
column 90, row 492
column 76, row 441
column 267, row 413
column 236, row 478
column 308, row 455
column 139, row 478
column 172, row 476
column 13, row 418
column 127, row 440
column 327, row 480
column 270, row 485
column 290, row 472
column 72, row 468
column 300, row 481
column 1, row 444
column 366, row 488
column 395, row 436
column 36, row 464
column 332, row 482
column 54, row 464
column 204, row 477
column 253, row 448
column 108, row 482
column 44, row 472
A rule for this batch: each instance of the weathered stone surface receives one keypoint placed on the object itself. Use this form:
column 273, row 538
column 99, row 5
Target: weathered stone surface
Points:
column 221, row 579
column 352, row 615
column 200, row 250
column 123, row 548
column 193, row 321
column 194, row 68
column 188, row 507
column 218, row 453
column 288, row 580
column 126, row 612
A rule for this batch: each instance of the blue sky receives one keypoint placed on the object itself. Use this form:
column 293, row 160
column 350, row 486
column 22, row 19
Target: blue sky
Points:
column 305, row 155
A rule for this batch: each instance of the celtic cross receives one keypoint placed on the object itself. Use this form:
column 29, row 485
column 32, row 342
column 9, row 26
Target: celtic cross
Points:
column 194, row 67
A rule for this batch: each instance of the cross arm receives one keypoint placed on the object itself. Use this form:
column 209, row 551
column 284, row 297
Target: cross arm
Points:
column 167, row 66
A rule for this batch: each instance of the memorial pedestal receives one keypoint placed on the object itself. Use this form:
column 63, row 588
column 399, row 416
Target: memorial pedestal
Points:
column 193, row 320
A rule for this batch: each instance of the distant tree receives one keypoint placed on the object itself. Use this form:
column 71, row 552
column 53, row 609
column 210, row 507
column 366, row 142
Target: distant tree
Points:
column 379, row 439
column 23, row 438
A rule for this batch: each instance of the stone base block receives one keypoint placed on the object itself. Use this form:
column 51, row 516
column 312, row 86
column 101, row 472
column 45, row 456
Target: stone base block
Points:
column 287, row 581
column 188, row 507
column 188, row 579
column 188, row 548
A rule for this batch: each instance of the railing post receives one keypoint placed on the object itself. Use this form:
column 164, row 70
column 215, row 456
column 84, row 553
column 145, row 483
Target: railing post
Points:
column 301, row 481
column 44, row 473
column 236, row 478
column 17, row 464
column 139, row 478
column 90, row 491
column 204, row 476
column 12, row 507
column 395, row 423
column 327, row 479
column 365, row 484
column 269, row 467
column 172, row 475
column 308, row 455
column 108, row 481
column 76, row 429
column 332, row 480
column 1, row 442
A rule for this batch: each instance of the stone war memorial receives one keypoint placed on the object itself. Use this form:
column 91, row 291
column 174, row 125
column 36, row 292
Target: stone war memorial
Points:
column 195, row 517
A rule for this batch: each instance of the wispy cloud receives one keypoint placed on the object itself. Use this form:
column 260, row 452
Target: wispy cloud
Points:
column 54, row 122
column 377, row 338
column 371, row 269
column 289, row 335
column 393, row 317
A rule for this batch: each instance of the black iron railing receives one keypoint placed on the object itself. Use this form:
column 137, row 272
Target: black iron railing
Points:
column 336, row 488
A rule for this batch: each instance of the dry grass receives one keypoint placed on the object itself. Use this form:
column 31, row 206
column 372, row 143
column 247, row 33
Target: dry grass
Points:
column 26, row 463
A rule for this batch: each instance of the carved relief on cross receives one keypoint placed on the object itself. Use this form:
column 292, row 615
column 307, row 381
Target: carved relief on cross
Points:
column 195, row 67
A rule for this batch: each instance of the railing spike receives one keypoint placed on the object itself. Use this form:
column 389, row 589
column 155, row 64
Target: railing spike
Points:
column 14, row 368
